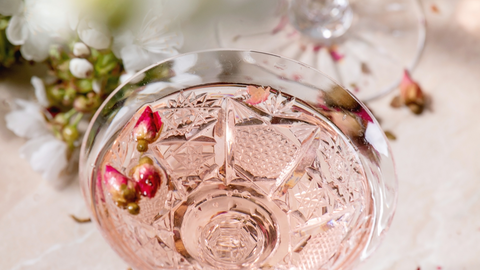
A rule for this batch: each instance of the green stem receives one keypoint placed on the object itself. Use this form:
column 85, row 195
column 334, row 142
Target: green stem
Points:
column 77, row 119
column 69, row 114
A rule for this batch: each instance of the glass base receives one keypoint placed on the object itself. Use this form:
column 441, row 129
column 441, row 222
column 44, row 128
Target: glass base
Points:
column 385, row 37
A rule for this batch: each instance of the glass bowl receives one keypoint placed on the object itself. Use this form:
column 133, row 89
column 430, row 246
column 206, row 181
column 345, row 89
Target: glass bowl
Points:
column 231, row 159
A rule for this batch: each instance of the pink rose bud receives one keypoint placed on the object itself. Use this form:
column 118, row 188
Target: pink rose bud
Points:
column 257, row 94
column 411, row 94
column 147, row 129
column 117, row 184
column 336, row 56
column 147, row 178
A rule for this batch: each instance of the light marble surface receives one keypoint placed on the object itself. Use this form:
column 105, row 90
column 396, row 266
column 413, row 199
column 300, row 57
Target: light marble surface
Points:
column 437, row 224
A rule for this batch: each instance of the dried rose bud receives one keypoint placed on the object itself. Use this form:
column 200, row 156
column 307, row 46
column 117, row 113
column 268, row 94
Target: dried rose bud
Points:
column 257, row 94
column 336, row 56
column 147, row 129
column 119, row 186
column 411, row 94
column 146, row 177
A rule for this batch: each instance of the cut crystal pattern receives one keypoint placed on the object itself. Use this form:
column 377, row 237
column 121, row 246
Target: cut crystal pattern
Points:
column 262, row 150
column 247, row 186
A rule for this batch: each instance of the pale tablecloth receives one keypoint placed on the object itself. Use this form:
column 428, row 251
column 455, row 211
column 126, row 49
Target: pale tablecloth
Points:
column 437, row 223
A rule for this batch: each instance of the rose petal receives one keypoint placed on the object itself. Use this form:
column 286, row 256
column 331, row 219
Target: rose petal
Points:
column 257, row 94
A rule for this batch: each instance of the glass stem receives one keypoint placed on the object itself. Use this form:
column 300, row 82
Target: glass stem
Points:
column 321, row 19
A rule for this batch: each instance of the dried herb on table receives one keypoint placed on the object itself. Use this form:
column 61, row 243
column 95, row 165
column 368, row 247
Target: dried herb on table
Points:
column 390, row 135
column 80, row 220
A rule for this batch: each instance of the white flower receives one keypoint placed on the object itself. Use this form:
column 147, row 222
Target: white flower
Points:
column 26, row 119
column 40, row 92
column 10, row 7
column 36, row 26
column 155, row 39
column 80, row 49
column 80, row 68
column 94, row 33
column 45, row 153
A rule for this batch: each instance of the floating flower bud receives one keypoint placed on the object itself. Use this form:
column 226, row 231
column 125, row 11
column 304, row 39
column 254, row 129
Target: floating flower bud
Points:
column 80, row 49
column 257, row 94
column 146, row 177
column 411, row 94
column 147, row 129
column 119, row 186
column 80, row 68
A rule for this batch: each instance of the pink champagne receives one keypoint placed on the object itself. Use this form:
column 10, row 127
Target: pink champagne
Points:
column 250, row 180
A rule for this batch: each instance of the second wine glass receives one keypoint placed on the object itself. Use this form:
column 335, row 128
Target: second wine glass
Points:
column 365, row 45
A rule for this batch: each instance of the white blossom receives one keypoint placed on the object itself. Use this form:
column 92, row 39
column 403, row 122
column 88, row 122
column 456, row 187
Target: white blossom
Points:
column 26, row 119
column 94, row 33
column 40, row 92
column 45, row 153
column 154, row 39
column 36, row 26
column 80, row 68
column 80, row 49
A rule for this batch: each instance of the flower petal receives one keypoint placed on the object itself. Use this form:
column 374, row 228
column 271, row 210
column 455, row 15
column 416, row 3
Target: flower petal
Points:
column 47, row 155
column 40, row 92
column 17, row 31
column 120, row 41
column 27, row 121
column 135, row 58
column 257, row 94
column 93, row 33
column 36, row 47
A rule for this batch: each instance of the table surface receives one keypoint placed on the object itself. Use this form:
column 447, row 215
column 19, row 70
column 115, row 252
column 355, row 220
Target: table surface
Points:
column 437, row 222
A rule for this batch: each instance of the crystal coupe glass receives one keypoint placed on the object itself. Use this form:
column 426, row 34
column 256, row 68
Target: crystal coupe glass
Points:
column 230, row 159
